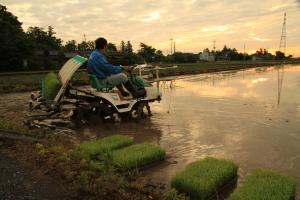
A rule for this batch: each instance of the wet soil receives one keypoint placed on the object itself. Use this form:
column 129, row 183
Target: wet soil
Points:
column 22, row 182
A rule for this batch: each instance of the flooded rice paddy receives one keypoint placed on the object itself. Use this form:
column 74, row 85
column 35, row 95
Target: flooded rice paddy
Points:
column 250, row 116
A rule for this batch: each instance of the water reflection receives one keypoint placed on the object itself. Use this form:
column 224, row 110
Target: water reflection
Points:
column 140, row 131
column 250, row 116
column 280, row 82
column 233, row 115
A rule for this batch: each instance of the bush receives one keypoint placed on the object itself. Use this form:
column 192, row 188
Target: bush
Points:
column 265, row 184
column 203, row 178
column 137, row 156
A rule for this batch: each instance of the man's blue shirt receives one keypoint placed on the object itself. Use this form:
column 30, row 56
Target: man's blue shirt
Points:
column 99, row 66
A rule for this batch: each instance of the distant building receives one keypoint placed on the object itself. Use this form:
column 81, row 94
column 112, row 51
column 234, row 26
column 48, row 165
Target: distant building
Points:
column 46, row 53
column 256, row 58
column 70, row 54
column 207, row 56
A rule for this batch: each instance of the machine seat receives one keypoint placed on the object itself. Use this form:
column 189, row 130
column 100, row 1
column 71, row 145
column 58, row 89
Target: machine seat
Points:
column 97, row 84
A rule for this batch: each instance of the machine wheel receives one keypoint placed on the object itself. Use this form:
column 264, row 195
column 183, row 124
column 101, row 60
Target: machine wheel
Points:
column 105, row 111
column 139, row 109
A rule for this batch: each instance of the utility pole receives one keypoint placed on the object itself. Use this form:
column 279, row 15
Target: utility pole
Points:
column 174, row 50
column 282, row 45
column 214, row 47
column 171, row 46
column 282, row 48
column 244, row 60
column 244, row 52
column 84, row 39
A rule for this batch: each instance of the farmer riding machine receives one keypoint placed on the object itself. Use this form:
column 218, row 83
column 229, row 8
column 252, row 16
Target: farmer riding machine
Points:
column 58, row 98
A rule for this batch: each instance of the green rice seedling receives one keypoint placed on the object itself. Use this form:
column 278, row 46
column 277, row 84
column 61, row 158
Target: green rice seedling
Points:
column 51, row 89
column 96, row 147
column 138, row 155
column 50, row 76
column 50, row 86
column 202, row 179
column 266, row 184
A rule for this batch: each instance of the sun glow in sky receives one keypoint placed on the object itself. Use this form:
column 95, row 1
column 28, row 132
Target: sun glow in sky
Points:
column 194, row 24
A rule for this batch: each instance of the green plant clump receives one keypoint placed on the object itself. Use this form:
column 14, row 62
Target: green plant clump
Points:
column 138, row 155
column 266, row 184
column 96, row 147
column 50, row 86
column 203, row 178
column 50, row 76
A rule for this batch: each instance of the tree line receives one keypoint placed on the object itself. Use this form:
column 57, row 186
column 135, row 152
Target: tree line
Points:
column 38, row 48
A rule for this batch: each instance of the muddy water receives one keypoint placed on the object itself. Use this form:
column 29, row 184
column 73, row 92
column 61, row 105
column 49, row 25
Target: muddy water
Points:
column 250, row 116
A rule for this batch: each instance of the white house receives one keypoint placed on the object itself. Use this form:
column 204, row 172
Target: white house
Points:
column 207, row 56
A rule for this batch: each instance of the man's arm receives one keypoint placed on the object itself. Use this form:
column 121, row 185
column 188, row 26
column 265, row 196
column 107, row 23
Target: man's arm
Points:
column 107, row 66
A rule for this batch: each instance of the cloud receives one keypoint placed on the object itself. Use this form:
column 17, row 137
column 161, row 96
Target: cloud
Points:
column 215, row 29
column 192, row 23
column 261, row 39
column 151, row 17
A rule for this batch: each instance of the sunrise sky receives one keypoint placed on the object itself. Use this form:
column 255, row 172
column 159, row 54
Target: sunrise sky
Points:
column 194, row 24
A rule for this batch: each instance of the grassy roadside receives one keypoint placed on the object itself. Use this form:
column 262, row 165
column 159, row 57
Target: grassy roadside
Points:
column 56, row 156
column 30, row 81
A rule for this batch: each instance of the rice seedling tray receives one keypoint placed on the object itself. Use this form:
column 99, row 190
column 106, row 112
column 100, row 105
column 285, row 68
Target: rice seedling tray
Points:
column 96, row 147
column 137, row 156
column 203, row 179
column 50, row 86
column 266, row 184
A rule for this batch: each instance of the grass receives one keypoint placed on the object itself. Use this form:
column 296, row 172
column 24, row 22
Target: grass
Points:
column 105, row 144
column 266, row 184
column 16, row 126
column 201, row 179
column 96, row 147
column 138, row 155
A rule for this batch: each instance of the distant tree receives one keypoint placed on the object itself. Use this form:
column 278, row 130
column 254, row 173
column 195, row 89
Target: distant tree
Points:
column 279, row 55
column 70, row 45
column 51, row 32
column 147, row 52
column 133, row 58
column 122, row 47
column 90, row 45
column 128, row 47
column 159, row 56
column 180, row 57
column 44, row 40
column 83, row 46
column 111, row 47
column 14, row 45
column 263, row 54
